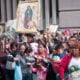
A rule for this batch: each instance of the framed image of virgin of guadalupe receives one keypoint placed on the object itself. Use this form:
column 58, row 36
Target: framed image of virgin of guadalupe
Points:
column 28, row 16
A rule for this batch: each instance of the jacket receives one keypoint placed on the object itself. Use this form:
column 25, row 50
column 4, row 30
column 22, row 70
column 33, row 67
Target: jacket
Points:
column 64, row 65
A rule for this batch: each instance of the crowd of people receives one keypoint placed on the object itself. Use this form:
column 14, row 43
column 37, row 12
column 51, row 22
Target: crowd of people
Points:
column 45, row 57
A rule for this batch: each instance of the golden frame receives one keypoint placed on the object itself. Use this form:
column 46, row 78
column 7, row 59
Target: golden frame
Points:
column 2, row 28
column 33, row 0
column 21, row 12
column 2, row 42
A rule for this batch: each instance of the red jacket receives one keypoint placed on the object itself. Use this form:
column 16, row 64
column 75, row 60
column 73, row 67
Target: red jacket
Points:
column 64, row 65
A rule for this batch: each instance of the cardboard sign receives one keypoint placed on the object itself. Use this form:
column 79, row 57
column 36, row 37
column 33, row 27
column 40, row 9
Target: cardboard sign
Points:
column 53, row 28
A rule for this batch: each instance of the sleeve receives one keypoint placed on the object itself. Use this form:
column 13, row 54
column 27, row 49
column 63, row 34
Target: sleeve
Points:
column 63, row 66
column 21, row 60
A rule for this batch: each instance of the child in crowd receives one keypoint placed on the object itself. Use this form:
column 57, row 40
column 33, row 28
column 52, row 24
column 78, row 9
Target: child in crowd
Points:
column 60, row 50
column 29, row 56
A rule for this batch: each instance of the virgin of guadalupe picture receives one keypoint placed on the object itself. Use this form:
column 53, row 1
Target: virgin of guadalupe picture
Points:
column 28, row 16
column 74, row 72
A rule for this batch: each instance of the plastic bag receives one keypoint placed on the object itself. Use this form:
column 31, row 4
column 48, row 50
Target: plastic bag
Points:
column 17, row 73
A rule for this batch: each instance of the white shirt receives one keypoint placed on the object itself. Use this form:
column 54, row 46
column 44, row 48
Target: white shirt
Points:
column 76, row 74
column 74, row 61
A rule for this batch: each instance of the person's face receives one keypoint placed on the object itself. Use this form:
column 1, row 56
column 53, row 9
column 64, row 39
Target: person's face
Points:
column 22, row 36
column 60, row 37
column 64, row 46
column 14, row 48
column 22, row 49
column 75, row 52
column 41, row 48
column 40, row 36
column 70, row 50
column 28, row 7
column 29, row 39
column 60, row 51
column 54, row 51
column 72, row 42
column 67, row 33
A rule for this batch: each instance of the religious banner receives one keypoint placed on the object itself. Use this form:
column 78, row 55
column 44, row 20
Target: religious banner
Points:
column 28, row 16
column 53, row 28
column 2, row 28
column 10, row 25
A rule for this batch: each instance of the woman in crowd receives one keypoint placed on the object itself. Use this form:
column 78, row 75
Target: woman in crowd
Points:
column 41, row 62
column 25, row 68
column 71, row 62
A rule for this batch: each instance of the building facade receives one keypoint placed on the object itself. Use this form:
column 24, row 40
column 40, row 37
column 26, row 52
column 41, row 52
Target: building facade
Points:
column 65, row 13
